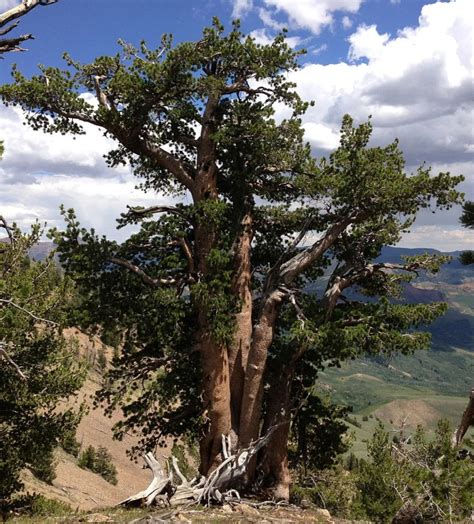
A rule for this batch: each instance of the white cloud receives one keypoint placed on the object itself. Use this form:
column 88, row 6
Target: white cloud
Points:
column 7, row 4
column 346, row 22
column 241, row 8
column 39, row 172
column 395, row 2
column 267, row 19
column 312, row 15
column 263, row 37
column 29, row 152
column 439, row 237
column 418, row 87
column 367, row 42
column 97, row 202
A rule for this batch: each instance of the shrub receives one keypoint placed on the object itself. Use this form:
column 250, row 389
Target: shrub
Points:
column 333, row 489
column 99, row 461
column 70, row 444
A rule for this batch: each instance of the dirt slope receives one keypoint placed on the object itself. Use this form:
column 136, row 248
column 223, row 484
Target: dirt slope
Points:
column 80, row 488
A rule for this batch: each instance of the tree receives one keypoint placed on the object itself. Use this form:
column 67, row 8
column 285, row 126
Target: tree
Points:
column 467, row 220
column 39, row 368
column 13, row 44
column 212, row 297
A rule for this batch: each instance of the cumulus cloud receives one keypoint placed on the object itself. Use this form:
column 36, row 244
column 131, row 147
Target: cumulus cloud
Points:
column 98, row 202
column 241, row 8
column 417, row 84
column 29, row 152
column 312, row 15
column 39, row 172
column 439, row 237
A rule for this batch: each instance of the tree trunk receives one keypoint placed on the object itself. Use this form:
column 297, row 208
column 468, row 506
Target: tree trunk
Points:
column 274, row 462
column 240, row 345
column 253, row 386
column 216, row 392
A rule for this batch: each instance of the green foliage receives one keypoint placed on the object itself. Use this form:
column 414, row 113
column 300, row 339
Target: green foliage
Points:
column 101, row 359
column 34, row 505
column 184, row 456
column 99, row 461
column 40, row 368
column 467, row 220
column 429, row 475
column 69, row 443
column 319, row 430
column 332, row 489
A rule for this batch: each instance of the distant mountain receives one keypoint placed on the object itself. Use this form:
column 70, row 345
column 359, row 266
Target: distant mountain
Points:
column 39, row 251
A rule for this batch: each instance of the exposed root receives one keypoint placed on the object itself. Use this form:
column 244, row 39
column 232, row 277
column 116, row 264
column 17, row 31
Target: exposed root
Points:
column 218, row 487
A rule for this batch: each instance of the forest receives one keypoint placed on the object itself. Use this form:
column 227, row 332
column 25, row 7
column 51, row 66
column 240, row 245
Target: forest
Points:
column 225, row 313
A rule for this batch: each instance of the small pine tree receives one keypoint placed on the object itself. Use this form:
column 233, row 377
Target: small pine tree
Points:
column 99, row 461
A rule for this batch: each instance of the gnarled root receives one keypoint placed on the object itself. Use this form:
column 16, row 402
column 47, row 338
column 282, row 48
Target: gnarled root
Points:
column 218, row 487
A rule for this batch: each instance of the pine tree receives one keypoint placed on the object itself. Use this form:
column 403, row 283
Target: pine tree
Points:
column 39, row 368
column 222, row 333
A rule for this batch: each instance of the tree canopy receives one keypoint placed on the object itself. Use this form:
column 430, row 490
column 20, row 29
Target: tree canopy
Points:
column 241, row 292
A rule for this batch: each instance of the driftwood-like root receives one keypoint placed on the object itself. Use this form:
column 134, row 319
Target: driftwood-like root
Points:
column 218, row 487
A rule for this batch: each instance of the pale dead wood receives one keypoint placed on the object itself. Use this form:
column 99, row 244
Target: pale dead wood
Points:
column 13, row 44
column 467, row 420
column 9, row 302
column 216, row 488
column 5, row 356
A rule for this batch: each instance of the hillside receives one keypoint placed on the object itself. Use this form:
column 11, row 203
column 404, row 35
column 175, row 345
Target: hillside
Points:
column 81, row 488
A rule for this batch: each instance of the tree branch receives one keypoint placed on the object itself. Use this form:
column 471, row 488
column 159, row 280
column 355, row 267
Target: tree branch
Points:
column 136, row 212
column 21, row 9
column 155, row 282
column 6, row 356
column 9, row 302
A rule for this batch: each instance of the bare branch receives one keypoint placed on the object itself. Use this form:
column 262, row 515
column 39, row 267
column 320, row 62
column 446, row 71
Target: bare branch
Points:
column 9, row 302
column 21, row 9
column 154, row 282
column 13, row 44
column 7, row 228
column 135, row 212
column 467, row 420
column 6, row 356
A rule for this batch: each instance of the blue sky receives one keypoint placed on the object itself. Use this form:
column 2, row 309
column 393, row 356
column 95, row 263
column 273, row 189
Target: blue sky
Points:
column 407, row 62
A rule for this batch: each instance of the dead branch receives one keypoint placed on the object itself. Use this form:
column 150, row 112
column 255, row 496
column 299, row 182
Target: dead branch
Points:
column 467, row 420
column 4, row 355
column 13, row 44
column 9, row 302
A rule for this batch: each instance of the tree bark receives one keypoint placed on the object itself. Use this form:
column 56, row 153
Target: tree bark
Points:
column 253, row 386
column 274, row 462
column 240, row 345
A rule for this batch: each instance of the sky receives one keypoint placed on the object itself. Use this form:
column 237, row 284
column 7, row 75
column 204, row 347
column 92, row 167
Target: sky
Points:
column 408, row 63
